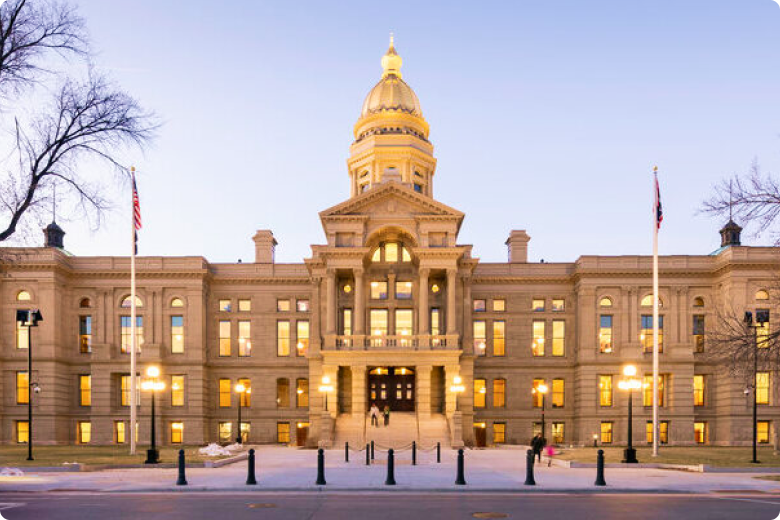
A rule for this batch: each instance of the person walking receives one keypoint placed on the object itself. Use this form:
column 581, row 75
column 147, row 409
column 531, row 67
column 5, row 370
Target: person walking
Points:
column 535, row 445
column 542, row 442
column 549, row 451
column 386, row 413
column 374, row 412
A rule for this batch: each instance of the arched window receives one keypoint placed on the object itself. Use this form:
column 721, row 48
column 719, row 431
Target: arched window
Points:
column 23, row 296
column 698, row 301
column 605, row 302
column 647, row 301
column 762, row 295
column 126, row 303
column 391, row 253
column 177, row 302
column 85, row 303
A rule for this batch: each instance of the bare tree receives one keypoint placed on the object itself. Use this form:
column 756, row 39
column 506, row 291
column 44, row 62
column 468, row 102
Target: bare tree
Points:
column 87, row 118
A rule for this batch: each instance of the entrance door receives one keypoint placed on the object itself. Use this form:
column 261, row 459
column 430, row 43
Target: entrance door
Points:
column 393, row 387
column 301, row 434
column 480, row 435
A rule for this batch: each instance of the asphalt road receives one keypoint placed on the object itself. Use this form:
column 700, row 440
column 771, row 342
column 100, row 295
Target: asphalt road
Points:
column 327, row 506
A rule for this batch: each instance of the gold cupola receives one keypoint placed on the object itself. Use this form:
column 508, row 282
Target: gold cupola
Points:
column 391, row 135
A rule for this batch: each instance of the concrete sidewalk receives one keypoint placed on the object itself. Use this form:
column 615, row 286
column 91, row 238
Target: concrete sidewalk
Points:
column 288, row 469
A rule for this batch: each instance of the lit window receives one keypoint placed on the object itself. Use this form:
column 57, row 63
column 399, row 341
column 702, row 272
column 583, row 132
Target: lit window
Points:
column 405, row 256
column 698, row 390
column 378, row 322
column 85, row 390
column 480, row 393
column 124, row 390
column 377, row 256
column 762, row 432
column 499, row 433
column 22, row 388
column 225, row 432
column 177, row 334
column 282, row 305
column 245, row 427
column 177, row 390
column 648, row 390
column 698, row 333
column 698, row 301
column 762, row 387
column 605, row 302
column 22, row 336
column 119, row 432
column 302, row 305
column 225, row 306
column 346, row 322
column 177, row 432
column 127, row 302
column 224, row 393
column 246, row 396
column 537, row 305
column 663, row 432
column 536, row 396
column 403, row 290
column 557, row 433
column 558, row 339
column 85, row 334
column 700, row 432
column 378, row 290
column 224, row 339
column 302, row 337
column 499, row 305
column 499, row 338
column 499, row 393
column 762, row 330
column 391, row 252
column 605, row 391
column 605, row 334
column 22, row 432
column 126, row 333
column 558, row 305
column 244, row 338
column 480, row 305
column 282, row 393
column 558, row 393
column 606, row 432
column 23, row 296
column 480, row 339
column 762, row 295
column 403, row 323
column 647, row 301
column 302, row 393
column 283, row 338
column 435, row 321
column 83, row 432
column 283, row 433
column 537, row 347
column 177, row 302
column 244, row 305
column 646, row 333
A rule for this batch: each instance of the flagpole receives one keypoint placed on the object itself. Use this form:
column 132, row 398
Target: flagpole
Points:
column 655, row 311
column 133, row 404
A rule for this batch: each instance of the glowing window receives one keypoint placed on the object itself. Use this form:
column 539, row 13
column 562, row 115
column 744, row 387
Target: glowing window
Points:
column 177, row 302
column 760, row 295
column 377, row 256
column 557, row 433
column 762, row 432
column 224, row 393
column 700, row 432
column 537, row 346
column 23, row 296
column 283, row 433
column 606, row 432
column 391, row 252
column 177, row 390
column 536, row 396
column 558, row 338
column 480, row 393
column 558, row 393
column 605, row 334
column 499, row 338
column 605, row 391
column 244, row 305
column 405, row 256
column 647, row 301
column 127, row 302
column 605, row 302
column 22, row 388
column 480, row 338
column 302, row 305
column 403, row 290
column 558, row 305
column 283, row 338
column 85, row 390
column 282, row 305
column 177, row 432
column 403, row 322
column 83, row 432
column 225, row 306
column 537, row 305
column 22, row 432
column 224, row 338
column 378, row 322
column 499, row 305
column 177, row 334
column 378, row 290
column 647, row 397
column 762, row 387
column 646, row 333
column 499, row 433
column 302, row 337
column 302, row 393
column 499, row 393
column 244, row 338
column 698, row 390
column 125, row 331
column 480, row 305
column 698, row 302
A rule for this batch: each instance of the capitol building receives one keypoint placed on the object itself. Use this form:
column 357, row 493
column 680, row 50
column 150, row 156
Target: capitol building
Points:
column 390, row 309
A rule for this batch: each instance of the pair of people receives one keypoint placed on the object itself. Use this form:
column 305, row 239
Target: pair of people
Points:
column 374, row 412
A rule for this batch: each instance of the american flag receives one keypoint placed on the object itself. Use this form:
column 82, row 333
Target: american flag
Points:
column 136, row 205
column 659, row 213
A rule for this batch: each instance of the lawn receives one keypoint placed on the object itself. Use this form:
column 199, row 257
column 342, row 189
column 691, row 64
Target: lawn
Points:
column 12, row 456
column 712, row 455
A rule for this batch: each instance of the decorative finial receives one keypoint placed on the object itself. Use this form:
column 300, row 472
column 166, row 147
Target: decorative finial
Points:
column 391, row 40
column 391, row 61
column 132, row 169
column 655, row 169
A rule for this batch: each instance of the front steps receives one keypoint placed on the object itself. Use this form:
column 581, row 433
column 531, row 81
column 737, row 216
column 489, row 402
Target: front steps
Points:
column 404, row 428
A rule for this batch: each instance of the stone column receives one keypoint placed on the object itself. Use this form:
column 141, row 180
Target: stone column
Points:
column 423, row 310
column 391, row 314
column 330, row 311
column 359, row 385
column 360, row 304
column 451, row 290
column 423, row 389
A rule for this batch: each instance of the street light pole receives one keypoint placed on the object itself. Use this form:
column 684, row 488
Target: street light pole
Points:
column 630, row 384
column 152, row 454
column 755, row 396
column 30, row 318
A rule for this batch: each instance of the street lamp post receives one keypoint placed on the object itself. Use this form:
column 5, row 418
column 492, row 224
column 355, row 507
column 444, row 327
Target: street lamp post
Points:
column 629, row 384
column 242, row 391
column 29, row 319
column 326, row 387
column 152, row 385
column 762, row 317
column 541, row 389
column 457, row 388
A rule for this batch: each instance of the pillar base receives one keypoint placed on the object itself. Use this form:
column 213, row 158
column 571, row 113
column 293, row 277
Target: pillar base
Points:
column 629, row 456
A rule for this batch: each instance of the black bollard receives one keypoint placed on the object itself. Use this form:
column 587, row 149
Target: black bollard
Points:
column 460, row 480
column 600, row 469
column 250, row 470
column 182, row 480
column 346, row 452
column 320, row 467
column 438, row 452
column 368, row 455
column 372, row 450
column 414, row 453
column 390, row 481
column 529, row 468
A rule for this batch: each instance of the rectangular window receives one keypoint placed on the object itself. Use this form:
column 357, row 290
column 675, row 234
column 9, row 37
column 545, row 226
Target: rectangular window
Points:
column 762, row 330
column 177, row 432
column 224, row 339
column 559, row 338
column 663, row 430
column 85, row 390
column 283, row 432
column 124, row 390
column 557, row 433
column 537, row 305
column 435, row 321
column 698, row 390
column 177, row 334
column 283, row 338
column 403, row 290
column 244, row 305
column 125, row 331
column 378, row 290
column 22, row 388
column 22, row 432
column 245, row 428
column 605, row 391
column 480, row 390
column 22, row 338
column 83, row 432
column 480, row 305
column 698, row 333
column 605, row 334
column 283, row 393
column 378, row 322
column 762, row 387
column 225, row 306
column 646, row 333
column 282, row 305
column 558, row 305
column 85, row 334
column 403, row 322
column 499, row 393
column 302, row 335
column 606, row 432
column 537, row 347
column 700, row 432
column 537, row 396
column 177, row 390
column 346, row 321
column 302, row 305
column 246, row 396
column 302, row 393
column 391, row 252
column 225, row 432
column 224, row 393
column 480, row 338
column 499, row 305
column 762, row 432
column 244, row 338
column 499, row 433
column 558, row 393
column 499, row 338
column 119, row 432
column 648, row 390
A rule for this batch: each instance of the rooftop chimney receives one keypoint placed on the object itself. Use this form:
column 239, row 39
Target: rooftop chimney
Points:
column 517, row 244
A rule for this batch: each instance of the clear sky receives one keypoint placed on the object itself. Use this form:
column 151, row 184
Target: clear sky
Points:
column 545, row 116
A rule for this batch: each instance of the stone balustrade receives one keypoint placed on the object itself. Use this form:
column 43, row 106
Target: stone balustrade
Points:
column 401, row 342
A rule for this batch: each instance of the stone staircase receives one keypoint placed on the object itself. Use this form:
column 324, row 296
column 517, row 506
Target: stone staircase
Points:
column 404, row 428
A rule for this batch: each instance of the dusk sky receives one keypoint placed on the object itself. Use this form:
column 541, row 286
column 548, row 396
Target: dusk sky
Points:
column 545, row 116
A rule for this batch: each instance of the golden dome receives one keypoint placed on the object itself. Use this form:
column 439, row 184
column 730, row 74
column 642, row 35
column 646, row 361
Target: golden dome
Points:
column 391, row 94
